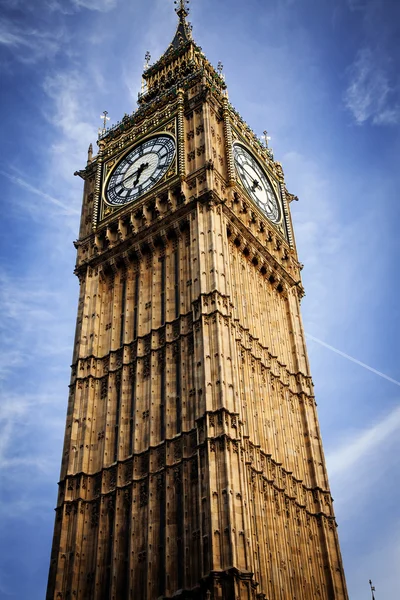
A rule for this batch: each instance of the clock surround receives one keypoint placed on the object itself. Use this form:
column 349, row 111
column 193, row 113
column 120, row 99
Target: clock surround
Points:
column 140, row 169
column 253, row 178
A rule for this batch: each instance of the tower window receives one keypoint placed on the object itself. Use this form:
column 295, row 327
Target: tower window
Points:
column 135, row 306
column 117, row 416
column 162, row 261
column 133, row 407
column 123, row 307
column 176, row 283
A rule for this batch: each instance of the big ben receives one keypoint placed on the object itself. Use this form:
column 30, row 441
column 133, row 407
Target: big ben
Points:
column 192, row 464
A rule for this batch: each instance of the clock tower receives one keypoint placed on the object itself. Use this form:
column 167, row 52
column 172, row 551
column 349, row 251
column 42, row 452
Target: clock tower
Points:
column 192, row 464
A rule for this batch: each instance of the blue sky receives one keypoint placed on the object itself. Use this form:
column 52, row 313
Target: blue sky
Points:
column 323, row 77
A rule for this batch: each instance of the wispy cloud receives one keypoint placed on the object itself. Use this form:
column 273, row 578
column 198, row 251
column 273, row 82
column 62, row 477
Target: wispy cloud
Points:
column 24, row 184
column 357, row 5
column 30, row 44
column 100, row 5
column 71, row 114
column 30, row 307
column 372, row 93
column 30, row 426
column 35, row 316
column 361, row 446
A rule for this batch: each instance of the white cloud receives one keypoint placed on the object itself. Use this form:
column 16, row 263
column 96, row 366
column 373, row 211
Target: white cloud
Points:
column 357, row 5
column 100, row 5
column 71, row 98
column 30, row 309
column 35, row 316
column 30, row 45
column 30, row 429
column 24, row 184
column 362, row 445
column 71, row 113
column 321, row 239
column 371, row 93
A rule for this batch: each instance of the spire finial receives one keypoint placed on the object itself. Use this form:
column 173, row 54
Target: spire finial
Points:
column 90, row 154
column 147, row 59
column 182, row 8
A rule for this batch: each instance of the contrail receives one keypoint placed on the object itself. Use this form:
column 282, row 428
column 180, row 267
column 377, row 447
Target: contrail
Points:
column 354, row 360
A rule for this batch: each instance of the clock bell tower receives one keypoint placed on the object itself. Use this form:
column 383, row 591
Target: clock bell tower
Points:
column 192, row 464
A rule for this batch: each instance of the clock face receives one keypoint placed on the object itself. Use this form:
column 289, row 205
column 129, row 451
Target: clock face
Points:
column 140, row 170
column 256, row 183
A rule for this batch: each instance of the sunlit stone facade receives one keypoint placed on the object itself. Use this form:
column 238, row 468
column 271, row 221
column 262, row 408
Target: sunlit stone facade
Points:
column 192, row 463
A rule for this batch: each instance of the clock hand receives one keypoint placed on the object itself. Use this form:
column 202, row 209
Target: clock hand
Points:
column 136, row 174
column 120, row 183
column 256, row 184
column 140, row 170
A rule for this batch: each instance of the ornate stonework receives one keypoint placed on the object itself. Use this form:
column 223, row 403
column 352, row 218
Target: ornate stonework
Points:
column 192, row 462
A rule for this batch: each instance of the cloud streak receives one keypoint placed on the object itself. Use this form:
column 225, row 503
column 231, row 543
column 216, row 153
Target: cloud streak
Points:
column 99, row 5
column 347, row 456
column 352, row 359
column 371, row 94
column 23, row 183
column 30, row 45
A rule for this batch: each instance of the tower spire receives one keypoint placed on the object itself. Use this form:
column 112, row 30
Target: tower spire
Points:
column 184, row 30
column 182, row 8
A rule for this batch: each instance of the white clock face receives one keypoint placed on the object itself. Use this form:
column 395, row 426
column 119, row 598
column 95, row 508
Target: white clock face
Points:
column 140, row 170
column 256, row 183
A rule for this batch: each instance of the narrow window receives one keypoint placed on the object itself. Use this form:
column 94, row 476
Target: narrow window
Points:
column 180, row 530
column 162, row 397
column 176, row 285
column 117, row 416
column 162, row 261
column 126, row 527
column 161, row 537
column 136, row 306
column 178, row 386
column 123, row 305
column 110, row 546
column 132, row 411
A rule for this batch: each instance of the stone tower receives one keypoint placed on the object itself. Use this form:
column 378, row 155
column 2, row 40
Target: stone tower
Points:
column 192, row 464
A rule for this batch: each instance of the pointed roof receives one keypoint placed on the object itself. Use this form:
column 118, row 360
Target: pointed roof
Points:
column 181, row 64
column 182, row 38
column 183, row 32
